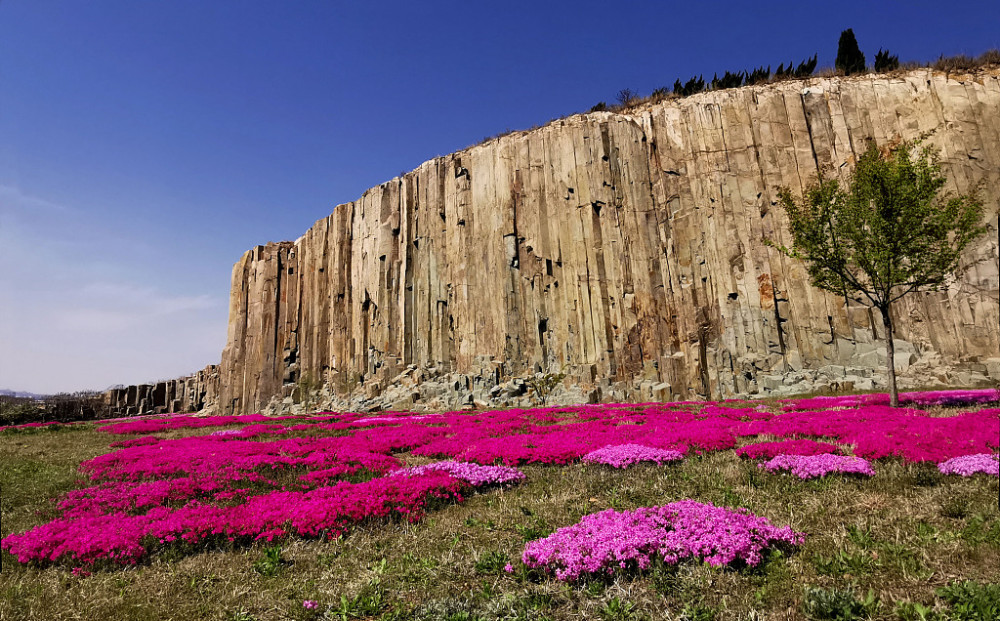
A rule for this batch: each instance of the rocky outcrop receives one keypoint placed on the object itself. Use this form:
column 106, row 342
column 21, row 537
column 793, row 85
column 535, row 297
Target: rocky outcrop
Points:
column 194, row 393
column 625, row 251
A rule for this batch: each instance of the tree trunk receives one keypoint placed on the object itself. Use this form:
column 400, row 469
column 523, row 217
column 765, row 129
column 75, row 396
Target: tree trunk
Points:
column 890, row 351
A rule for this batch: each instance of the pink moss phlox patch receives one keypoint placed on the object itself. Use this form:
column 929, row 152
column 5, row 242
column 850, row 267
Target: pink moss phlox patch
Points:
column 152, row 492
column 123, row 538
column 210, row 455
column 968, row 465
column 815, row 466
column 473, row 474
column 934, row 397
column 611, row 541
column 880, row 431
column 625, row 455
column 188, row 421
column 769, row 450
column 29, row 426
column 143, row 441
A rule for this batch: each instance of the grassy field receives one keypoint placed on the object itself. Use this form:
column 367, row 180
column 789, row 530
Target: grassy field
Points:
column 885, row 548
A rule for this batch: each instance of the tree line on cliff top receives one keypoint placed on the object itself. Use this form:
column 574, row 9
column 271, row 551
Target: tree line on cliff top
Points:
column 850, row 61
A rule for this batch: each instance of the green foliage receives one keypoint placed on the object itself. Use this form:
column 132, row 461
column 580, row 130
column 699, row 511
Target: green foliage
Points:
column 849, row 57
column 884, row 62
column 535, row 530
column 729, row 80
column 889, row 233
column 972, row 601
column 617, row 610
column 660, row 94
column 271, row 563
column 955, row 507
column 842, row 562
column 19, row 413
column 698, row 612
column 982, row 528
column 692, row 86
column 758, row 75
column 491, row 563
column 544, row 385
column 915, row 611
column 599, row 107
column 369, row 602
column 838, row 604
column 806, row 67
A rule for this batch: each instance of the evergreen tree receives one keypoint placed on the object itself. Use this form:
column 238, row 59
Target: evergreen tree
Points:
column 884, row 62
column 849, row 57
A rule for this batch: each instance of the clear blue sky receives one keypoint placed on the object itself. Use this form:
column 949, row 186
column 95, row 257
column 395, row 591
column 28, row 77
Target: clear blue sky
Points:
column 144, row 145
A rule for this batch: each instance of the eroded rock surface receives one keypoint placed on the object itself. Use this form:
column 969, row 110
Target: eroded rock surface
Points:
column 625, row 251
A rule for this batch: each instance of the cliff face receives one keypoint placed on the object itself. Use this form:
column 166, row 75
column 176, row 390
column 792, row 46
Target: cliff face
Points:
column 620, row 246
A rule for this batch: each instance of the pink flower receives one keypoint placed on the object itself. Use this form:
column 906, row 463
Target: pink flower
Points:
column 813, row 466
column 310, row 604
column 968, row 465
column 608, row 540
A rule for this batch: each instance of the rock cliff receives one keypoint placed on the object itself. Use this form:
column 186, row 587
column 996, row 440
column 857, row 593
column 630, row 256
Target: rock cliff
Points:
column 624, row 250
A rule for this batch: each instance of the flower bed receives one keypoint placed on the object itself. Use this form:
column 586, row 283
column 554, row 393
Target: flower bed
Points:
column 613, row 541
column 179, row 486
column 770, row 450
column 119, row 537
column 968, row 465
column 473, row 474
column 815, row 466
column 625, row 455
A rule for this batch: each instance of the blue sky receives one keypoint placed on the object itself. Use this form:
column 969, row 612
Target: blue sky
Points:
column 144, row 146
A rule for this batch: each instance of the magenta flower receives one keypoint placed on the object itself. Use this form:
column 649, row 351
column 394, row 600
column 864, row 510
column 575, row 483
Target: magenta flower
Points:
column 473, row 474
column 770, row 450
column 310, row 604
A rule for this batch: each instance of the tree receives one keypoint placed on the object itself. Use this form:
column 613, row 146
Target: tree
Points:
column 885, row 62
column 889, row 233
column 849, row 57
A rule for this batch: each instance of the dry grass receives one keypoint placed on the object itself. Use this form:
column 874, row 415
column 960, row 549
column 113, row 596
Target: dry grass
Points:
column 901, row 534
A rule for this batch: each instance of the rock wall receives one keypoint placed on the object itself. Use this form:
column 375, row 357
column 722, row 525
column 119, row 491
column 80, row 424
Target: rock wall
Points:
column 624, row 250
column 193, row 393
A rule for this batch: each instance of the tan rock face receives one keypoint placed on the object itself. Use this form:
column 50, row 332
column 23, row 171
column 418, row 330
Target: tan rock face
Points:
column 622, row 246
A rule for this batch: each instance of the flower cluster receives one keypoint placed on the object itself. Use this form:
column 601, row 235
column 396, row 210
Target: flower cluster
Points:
column 613, row 541
column 250, row 477
column 473, row 474
column 968, row 465
column 769, row 450
column 625, row 455
column 935, row 397
column 814, row 466
column 32, row 426
column 325, row 511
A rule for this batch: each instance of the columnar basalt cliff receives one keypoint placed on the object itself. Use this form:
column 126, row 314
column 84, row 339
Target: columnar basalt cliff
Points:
column 625, row 250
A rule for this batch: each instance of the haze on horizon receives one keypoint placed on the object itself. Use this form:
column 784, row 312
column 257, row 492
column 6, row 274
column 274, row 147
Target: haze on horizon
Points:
column 144, row 147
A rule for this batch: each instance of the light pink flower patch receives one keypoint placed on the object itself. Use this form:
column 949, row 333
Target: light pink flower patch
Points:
column 610, row 541
column 625, row 455
column 968, row 465
column 814, row 466
column 473, row 474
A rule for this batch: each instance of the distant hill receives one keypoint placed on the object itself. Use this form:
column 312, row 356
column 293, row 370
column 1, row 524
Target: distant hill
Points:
column 23, row 395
